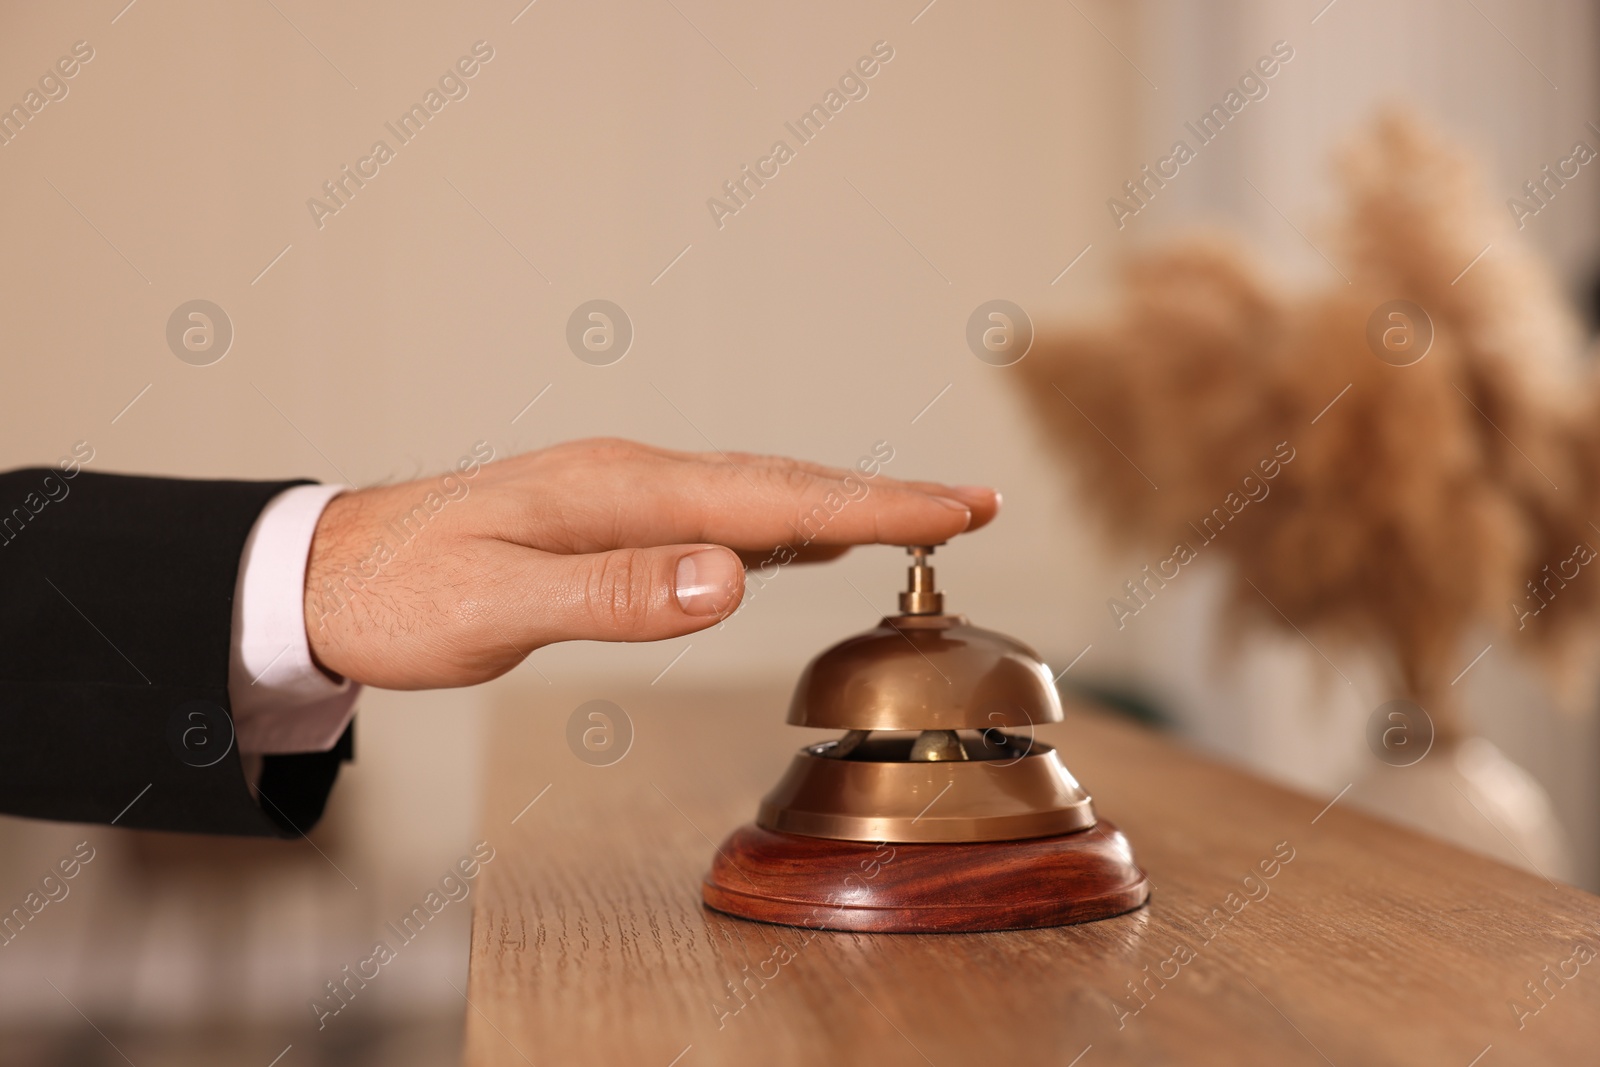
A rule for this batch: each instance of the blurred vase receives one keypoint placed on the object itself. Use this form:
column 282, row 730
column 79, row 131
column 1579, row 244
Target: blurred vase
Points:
column 1468, row 793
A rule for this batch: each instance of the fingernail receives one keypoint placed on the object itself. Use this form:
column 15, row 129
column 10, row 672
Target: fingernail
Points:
column 957, row 506
column 707, row 581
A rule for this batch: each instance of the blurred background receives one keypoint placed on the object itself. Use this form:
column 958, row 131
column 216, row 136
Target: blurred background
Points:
column 378, row 342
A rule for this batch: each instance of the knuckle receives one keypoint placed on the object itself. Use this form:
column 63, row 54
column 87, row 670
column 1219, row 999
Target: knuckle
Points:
column 619, row 588
column 605, row 449
column 796, row 480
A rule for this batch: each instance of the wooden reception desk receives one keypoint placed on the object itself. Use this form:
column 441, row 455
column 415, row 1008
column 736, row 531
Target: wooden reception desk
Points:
column 1279, row 930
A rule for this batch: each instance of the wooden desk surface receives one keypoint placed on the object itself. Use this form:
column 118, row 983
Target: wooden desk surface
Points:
column 1371, row 946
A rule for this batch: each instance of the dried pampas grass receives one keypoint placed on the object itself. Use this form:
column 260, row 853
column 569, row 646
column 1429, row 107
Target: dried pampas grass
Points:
column 1424, row 501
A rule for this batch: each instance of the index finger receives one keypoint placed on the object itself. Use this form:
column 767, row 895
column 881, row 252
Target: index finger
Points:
column 982, row 501
column 605, row 495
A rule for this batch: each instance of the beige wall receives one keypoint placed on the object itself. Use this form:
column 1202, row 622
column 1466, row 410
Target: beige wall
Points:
column 407, row 328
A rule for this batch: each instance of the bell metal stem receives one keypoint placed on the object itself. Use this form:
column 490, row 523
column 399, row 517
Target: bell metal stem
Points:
column 920, row 596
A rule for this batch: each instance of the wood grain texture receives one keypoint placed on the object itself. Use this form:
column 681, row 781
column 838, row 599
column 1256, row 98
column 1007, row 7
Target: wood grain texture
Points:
column 1367, row 945
column 823, row 884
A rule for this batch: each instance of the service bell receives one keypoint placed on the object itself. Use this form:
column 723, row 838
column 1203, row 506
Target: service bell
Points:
column 937, row 809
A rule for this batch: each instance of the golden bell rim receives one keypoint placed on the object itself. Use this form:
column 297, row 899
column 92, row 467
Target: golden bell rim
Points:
column 927, row 801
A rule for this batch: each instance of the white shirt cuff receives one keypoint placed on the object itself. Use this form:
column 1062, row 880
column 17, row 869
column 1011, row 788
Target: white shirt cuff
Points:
column 282, row 702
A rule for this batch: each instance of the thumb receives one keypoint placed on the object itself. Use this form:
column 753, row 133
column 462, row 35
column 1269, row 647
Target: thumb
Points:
column 630, row 594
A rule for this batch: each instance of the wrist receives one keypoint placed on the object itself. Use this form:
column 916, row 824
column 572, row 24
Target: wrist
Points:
column 333, row 582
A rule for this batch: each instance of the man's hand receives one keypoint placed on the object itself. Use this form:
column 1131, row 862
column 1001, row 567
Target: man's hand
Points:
column 453, row 580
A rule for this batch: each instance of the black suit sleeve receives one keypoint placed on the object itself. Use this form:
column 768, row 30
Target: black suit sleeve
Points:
column 116, row 613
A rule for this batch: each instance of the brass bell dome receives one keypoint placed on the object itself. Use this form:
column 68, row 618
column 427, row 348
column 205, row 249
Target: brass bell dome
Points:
column 939, row 745
column 925, row 672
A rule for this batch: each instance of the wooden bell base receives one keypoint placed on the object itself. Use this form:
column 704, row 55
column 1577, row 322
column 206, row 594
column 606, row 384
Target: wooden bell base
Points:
column 925, row 888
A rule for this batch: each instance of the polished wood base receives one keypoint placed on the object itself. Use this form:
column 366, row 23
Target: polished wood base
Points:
column 925, row 888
